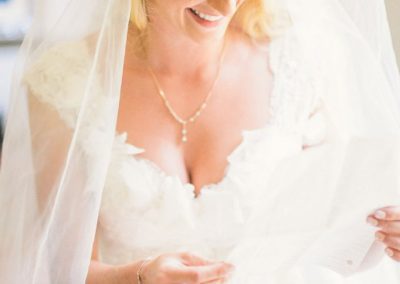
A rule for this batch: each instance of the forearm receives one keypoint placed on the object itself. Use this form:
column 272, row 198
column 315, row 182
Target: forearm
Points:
column 100, row 273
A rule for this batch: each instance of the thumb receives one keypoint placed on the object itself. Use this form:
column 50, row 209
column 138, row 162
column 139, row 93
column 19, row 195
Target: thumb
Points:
column 191, row 259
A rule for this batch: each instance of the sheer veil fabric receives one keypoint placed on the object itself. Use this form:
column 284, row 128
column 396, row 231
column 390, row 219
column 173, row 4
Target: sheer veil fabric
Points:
column 51, row 184
column 53, row 168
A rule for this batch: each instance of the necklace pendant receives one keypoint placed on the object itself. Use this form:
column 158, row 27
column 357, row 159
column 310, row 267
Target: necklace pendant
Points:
column 184, row 133
column 199, row 111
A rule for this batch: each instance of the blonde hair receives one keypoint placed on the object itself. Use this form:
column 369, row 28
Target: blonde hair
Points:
column 253, row 17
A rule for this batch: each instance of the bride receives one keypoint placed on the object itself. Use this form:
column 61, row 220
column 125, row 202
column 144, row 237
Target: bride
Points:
column 150, row 143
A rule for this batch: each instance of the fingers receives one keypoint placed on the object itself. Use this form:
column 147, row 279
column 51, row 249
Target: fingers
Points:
column 202, row 274
column 191, row 259
column 393, row 253
column 392, row 243
column 214, row 272
column 186, row 267
column 219, row 281
column 389, row 213
column 388, row 220
column 389, row 227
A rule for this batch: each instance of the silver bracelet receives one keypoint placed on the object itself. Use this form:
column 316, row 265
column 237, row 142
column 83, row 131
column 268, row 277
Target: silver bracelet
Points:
column 138, row 277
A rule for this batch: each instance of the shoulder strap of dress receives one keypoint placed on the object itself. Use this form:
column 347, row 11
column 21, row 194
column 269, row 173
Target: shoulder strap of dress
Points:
column 57, row 77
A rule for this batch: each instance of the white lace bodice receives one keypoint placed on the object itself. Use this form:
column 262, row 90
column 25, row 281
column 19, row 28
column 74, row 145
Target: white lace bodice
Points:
column 147, row 212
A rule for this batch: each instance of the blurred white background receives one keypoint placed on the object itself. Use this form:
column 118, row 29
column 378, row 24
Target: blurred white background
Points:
column 14, row 20
column 14, row 17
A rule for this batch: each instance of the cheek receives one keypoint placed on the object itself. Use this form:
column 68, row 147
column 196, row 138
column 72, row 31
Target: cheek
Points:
column 164, row 13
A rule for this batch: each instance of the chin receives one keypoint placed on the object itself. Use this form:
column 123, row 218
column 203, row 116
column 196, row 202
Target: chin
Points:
column 204, row 28
column 201, row 38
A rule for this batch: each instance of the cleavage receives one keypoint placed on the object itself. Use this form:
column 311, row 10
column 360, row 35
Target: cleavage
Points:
column 200, row 168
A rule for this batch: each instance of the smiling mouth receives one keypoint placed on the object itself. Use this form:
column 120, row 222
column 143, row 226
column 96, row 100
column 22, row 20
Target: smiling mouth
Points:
column 205, row 19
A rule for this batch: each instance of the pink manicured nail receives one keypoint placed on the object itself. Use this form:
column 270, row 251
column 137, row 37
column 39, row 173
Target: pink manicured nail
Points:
column 379, row 236
column 372, row 221
column 380, row 214
column 389, row 252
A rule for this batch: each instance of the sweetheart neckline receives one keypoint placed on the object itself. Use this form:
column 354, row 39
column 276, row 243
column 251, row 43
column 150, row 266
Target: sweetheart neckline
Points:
column 188, row 185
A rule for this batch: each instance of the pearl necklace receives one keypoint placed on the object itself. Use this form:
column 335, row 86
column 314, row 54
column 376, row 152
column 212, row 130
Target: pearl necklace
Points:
column 199, row 110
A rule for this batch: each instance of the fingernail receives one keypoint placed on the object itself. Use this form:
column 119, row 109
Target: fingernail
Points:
column 372, row 221
column 389, row 252
column 379, row 236
column 380, row 214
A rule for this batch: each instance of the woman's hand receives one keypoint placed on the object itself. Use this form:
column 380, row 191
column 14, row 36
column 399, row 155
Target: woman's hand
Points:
column 184, row 267
column 387, row 219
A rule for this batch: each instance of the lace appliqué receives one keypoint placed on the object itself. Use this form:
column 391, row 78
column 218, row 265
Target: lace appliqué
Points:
column 295, row 104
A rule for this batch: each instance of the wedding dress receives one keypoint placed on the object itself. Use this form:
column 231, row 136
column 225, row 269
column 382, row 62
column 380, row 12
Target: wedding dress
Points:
column 146, row 212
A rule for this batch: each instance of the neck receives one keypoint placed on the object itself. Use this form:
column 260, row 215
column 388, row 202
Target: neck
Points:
column 178, row 56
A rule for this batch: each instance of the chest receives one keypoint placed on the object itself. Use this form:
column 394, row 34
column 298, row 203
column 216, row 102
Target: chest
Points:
column 240, row 101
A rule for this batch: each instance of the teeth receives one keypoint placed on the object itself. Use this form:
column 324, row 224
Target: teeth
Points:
column 207, row 17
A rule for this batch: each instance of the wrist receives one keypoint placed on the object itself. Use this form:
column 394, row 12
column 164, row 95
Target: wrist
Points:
column 128, row 274
column 140, row 279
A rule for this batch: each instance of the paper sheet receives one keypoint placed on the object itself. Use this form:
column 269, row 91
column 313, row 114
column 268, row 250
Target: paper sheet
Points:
column 315, row 208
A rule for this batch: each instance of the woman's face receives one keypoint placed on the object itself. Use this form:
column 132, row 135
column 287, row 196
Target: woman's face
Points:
column 200, row 20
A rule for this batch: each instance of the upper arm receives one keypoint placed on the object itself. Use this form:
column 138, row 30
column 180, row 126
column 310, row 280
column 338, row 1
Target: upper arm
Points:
column 50, row 139
column 53, row 97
